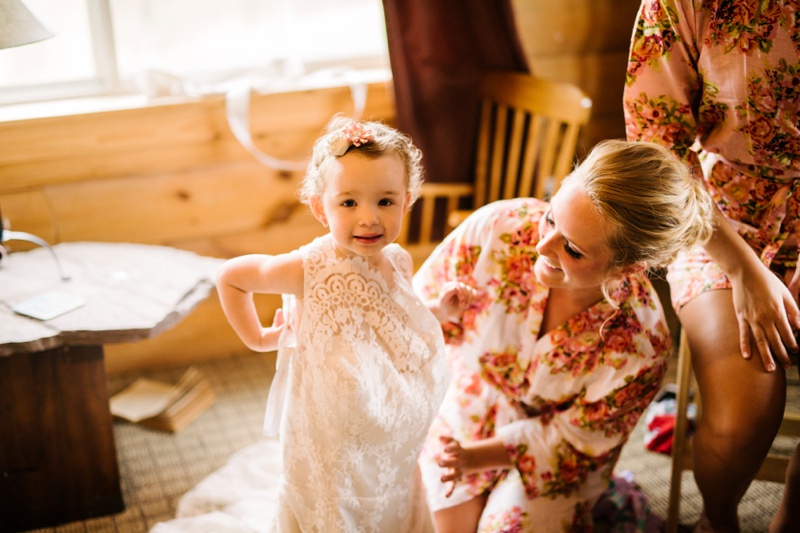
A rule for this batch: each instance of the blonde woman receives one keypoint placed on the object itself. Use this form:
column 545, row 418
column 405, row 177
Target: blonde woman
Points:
column 564, row 345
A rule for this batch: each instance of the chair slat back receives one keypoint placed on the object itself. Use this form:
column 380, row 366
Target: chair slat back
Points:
column 527, row 137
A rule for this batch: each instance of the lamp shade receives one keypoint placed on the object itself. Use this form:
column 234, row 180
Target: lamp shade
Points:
column 19, row 26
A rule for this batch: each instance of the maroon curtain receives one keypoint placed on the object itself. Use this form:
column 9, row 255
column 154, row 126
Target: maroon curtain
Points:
column 438, row 49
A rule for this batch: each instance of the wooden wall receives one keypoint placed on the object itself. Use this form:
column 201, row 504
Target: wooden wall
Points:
column 171, row 175
column 584, row 42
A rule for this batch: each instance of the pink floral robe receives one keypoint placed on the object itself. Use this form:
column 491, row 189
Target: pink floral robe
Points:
column 724, row 74
column 564, row 402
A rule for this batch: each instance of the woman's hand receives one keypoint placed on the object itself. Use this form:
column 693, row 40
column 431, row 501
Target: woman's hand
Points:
column 767, row 313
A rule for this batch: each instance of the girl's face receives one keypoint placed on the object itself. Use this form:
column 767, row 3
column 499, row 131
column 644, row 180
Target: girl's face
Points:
column 573, row 250
column 363, row 202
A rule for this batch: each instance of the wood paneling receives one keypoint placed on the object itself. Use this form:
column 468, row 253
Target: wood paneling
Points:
column 574, row 27
column 168, row 138
column 29, row 211
column 584, row 42
column 190, row 204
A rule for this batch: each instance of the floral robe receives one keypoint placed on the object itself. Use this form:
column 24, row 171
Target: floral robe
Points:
column 724, row 74
column 563, row 401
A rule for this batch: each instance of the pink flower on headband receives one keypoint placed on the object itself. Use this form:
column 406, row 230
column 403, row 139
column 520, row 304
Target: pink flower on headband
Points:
column 352, row 134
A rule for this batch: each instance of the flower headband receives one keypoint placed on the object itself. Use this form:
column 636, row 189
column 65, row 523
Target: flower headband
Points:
column 352, row 134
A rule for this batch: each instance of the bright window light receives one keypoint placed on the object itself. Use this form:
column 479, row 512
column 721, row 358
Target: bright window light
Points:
column 110, row 46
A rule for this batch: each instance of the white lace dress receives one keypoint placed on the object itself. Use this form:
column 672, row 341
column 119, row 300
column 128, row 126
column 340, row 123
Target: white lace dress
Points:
column 360, row 374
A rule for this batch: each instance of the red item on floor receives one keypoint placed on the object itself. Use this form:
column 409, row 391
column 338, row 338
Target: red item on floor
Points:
column 660, row 422
column 660, row 430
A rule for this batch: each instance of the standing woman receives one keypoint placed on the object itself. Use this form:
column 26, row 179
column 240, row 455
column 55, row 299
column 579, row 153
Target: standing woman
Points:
column 565, row 342
column 717, row 83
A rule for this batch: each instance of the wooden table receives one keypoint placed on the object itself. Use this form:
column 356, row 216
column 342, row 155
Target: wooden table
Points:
column 58, row 460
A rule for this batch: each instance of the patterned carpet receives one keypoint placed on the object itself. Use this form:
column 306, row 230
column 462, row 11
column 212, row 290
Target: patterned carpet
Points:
column 157, row 468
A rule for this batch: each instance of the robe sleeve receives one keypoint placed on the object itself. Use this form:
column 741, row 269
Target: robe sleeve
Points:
column 663, row 86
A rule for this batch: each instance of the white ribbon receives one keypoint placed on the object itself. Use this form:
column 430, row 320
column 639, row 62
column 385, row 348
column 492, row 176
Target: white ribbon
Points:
column 287, row 345
column 237, row 110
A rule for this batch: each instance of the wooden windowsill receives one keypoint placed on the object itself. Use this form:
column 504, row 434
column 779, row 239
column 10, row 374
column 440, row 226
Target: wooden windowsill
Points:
column 102, row 103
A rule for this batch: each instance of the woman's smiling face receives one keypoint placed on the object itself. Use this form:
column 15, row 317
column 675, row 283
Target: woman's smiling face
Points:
column 573, row 249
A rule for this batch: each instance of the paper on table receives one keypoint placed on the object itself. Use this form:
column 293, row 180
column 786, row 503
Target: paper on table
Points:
column 144, row 398
column 48, row 305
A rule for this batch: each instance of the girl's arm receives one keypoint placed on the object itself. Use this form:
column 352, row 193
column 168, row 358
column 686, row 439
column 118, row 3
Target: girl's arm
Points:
column 240, row 278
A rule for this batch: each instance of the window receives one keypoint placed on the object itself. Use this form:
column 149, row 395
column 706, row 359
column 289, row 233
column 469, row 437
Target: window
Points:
column 104, row 47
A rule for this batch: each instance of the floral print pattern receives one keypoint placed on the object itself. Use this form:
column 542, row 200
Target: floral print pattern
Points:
column 684, row 85
column 563, row 401
column 513, row 520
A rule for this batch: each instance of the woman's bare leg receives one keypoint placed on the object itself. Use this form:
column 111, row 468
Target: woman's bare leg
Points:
column 462, row 518
column 742, row 408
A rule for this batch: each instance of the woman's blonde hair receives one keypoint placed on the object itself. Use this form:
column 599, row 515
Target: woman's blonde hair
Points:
column 655, row 205
column 380, row 140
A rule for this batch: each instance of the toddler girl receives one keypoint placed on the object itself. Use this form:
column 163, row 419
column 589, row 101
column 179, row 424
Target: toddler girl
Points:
column 360, row 368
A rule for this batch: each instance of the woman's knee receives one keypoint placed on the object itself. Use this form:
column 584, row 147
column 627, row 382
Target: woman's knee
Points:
column 740, row 427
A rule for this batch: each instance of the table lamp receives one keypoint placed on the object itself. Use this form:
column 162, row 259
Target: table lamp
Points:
column 19, row 26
